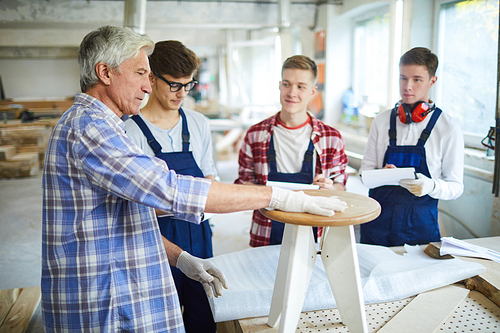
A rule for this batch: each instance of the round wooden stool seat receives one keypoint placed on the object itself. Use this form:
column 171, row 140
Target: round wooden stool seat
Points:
column 360, row 209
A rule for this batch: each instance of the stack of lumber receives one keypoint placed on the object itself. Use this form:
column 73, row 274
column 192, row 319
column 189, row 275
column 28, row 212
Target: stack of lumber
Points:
column 22, row 150
column 23, row 145
column 41, row 109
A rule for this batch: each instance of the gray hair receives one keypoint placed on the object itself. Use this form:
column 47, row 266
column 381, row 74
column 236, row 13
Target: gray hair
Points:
column 109, row 45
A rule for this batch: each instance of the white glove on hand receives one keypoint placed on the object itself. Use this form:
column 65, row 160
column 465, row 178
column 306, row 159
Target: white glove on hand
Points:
column 203, row 271
column 418, row 187
column 299, row 202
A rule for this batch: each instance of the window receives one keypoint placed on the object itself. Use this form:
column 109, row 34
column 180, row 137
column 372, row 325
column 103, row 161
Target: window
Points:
column 255, row 73
column 467, row 72
column 371, row 60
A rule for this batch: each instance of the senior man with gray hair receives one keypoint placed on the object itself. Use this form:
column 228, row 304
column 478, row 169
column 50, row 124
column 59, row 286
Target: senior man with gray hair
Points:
column 105, row 265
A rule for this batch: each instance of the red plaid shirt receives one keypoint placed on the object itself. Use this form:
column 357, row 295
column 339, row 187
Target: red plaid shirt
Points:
column 331, row 161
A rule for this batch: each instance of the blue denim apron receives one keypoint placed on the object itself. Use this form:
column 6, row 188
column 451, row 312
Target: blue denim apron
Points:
column 193, row 238
column 405, row 218
column 305, row 176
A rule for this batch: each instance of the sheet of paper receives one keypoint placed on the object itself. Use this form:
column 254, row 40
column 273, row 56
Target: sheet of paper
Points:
column 381, row 177
column 293, row 186
column 453, row 246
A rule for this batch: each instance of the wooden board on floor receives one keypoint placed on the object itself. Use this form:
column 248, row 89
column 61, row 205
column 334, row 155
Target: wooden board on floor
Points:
column 7, row 299
column 232, row 326
column 428, row 311
column 20, row 314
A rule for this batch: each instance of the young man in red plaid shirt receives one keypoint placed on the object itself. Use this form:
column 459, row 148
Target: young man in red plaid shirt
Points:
column 291, row 146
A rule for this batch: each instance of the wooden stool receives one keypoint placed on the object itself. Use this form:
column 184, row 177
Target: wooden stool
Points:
column 338, row 252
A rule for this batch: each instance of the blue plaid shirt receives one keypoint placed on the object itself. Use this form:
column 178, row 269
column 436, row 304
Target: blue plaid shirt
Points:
column 104, row 267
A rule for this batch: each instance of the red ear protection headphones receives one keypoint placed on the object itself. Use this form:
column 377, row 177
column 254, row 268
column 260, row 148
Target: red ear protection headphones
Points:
column 415, row 114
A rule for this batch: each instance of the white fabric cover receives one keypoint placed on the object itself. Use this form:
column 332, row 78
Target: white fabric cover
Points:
column 385, row 276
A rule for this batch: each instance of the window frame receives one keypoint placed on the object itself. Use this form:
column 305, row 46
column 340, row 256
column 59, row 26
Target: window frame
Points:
column 364, row 17
column 471, row 140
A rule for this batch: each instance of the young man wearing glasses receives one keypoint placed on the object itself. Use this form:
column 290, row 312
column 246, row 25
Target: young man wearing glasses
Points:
column 181, row 138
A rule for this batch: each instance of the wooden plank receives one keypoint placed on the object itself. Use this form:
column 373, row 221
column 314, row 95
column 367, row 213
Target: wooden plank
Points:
column 25, row 135
column 20, row 314
column 428, row 311
column 40, row 150
column 487, row 283
column 47, row 104
column 7, row 298
column 232, row 326
column 6, row 152
column 432, row 250
column 20, row 165
column 258, row 324
column 50, row 123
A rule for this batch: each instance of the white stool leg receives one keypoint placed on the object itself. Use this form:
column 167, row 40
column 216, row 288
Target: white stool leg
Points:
column 340, row 259
column 295, row 266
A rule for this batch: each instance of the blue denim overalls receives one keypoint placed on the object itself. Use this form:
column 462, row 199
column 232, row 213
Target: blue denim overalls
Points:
column 405, row 218
column 305, row 176
column 195, row 239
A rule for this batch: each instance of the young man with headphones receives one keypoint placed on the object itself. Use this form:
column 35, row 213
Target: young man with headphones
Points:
column 415, row 133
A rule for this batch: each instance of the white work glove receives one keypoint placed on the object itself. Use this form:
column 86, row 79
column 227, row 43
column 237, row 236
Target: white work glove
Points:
column 203, row 271
column 418, row 187
column 299, row 202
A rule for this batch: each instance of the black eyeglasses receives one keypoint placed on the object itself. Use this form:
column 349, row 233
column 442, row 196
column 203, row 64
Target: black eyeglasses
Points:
column 176, row 86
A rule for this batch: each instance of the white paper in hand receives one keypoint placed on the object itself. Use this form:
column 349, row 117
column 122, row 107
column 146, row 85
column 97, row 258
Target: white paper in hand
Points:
column 381, row 177
column 292, row 186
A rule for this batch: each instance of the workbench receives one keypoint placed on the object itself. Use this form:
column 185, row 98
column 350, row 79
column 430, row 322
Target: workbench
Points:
column 448, row 309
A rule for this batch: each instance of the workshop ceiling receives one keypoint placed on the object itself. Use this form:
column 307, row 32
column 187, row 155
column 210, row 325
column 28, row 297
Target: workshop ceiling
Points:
column 316, row 2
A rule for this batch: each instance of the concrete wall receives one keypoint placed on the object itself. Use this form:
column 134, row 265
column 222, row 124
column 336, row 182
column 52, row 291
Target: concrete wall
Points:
column 43, row 32
column 40, row 78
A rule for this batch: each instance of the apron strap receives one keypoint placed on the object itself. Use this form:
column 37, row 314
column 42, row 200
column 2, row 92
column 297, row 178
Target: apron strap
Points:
column 185, row 132
column 271, row 155
column 308, row 157
column 147, row 133
column 151, row 139
column 425, row 133
column 392, row 128
column 430, row 125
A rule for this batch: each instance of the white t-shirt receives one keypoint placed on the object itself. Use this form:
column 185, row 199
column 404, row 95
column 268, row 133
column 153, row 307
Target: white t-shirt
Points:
column 290, row 146
column 444, row 150
column 200, row 139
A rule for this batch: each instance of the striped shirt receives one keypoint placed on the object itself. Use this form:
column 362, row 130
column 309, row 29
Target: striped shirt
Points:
column 253, row 166
column 104, row 267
